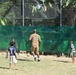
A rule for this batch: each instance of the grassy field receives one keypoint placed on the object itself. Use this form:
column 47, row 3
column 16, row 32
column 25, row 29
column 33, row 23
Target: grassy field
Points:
column 49, row 65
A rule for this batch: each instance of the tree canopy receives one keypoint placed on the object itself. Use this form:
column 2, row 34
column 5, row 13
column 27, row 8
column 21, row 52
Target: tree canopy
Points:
column 9, row 14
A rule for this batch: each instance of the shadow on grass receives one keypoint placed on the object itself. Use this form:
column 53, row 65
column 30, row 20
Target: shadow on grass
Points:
column 4, row 68
column 25, row 60
column 62, row 61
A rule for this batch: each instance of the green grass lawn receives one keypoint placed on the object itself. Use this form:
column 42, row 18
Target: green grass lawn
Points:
column 49, row 65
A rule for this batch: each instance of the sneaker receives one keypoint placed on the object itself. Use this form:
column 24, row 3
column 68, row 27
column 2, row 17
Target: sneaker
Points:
column 38, row 60
column 35, row 58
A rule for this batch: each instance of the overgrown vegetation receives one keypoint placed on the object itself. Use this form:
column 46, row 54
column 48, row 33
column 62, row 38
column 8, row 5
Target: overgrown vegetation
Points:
column 11, row 12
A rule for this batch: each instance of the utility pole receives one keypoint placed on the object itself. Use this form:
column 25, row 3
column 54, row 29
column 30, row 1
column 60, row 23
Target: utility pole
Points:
column 23, row 13
column 60, row 12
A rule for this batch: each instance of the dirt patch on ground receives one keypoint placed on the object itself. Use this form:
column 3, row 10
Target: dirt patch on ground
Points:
column 50, row 57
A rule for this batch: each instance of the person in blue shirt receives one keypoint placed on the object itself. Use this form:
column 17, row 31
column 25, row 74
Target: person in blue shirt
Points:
column 13, row 56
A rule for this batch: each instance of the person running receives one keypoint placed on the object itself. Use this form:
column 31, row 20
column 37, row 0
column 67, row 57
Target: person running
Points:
column 13, row 56
column 72, row 51
column 35, row 38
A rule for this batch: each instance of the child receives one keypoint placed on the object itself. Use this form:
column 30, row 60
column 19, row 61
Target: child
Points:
column 13, row 56
column 72, row 51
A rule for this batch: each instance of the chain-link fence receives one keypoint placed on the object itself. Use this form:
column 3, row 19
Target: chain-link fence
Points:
column 35, row 12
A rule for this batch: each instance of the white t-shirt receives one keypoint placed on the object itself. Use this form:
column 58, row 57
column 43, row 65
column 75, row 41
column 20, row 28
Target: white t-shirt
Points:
column 73, row 48
column 39, row 6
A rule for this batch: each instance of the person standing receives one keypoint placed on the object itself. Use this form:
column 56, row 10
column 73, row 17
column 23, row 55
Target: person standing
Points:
column 14, row 43
column 13, row 56
column 72, row 51
column 35, row 38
